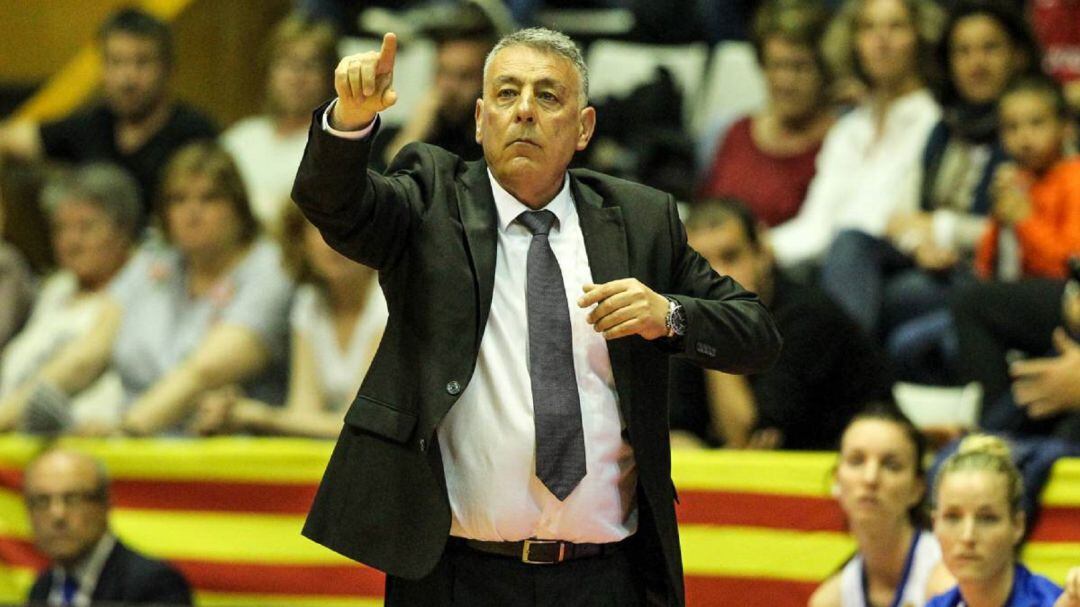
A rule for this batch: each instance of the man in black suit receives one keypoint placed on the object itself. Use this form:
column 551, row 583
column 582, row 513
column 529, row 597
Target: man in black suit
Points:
column 67, row 495
column 509, row 444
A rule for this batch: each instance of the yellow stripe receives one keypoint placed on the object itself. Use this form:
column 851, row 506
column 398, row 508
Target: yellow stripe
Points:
column 750, row 552
column 15, row 584
column 236, row 459
column 807, row 474
column 216, row 599
column 223, row 537
column 1052, row 560
column 13, row 521
column 1064, row 486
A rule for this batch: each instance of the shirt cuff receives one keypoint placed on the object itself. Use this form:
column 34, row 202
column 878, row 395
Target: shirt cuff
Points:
column 943, row 226
column 355, row 135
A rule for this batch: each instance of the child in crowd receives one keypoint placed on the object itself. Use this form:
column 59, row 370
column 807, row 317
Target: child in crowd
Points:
column 1035, row 223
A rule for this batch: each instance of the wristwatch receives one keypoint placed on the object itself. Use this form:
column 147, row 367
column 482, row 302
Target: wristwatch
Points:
column 676, row 319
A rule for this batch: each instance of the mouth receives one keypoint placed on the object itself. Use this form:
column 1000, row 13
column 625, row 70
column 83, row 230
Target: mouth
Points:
column 524, row 141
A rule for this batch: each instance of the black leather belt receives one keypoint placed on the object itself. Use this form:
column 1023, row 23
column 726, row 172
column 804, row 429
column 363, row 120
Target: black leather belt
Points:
column 538, row 552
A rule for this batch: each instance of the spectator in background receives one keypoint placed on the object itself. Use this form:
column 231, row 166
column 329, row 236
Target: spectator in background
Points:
column 67, row 496
column 137, row 125
column 445, row 116
column 1057, row 27
column 16, row 283
column 767, row 159
column 267, row 148
column 337, row 320
column 867, row 166
column 1035, row 224
column 880, row 483
column 95, row 215
column 979, row 522
column 204, row 310
column 907, row 273
column 827, row 371
column 1050, row 386
column 993, row 318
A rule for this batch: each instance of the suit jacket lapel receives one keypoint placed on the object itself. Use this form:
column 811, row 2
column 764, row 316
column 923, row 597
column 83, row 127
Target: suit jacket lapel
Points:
column 480, row 221
column 605, row 243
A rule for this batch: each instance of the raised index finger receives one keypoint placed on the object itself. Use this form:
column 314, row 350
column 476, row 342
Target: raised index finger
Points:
column 387, row 54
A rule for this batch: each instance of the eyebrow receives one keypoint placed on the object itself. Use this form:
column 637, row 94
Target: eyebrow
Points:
column 541, row 83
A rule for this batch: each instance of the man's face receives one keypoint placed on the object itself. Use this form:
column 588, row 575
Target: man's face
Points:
column 459, row 77
column 134, row 74
column 530, row 120
column 68, row 512
column 729, row 251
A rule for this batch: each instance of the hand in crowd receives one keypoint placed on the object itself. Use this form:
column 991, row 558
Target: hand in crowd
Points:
column 1048, row 386
column 626, row 307
column 1070, row 597
column 364, row 85
column 1009, row 191
column 214, row 415
column 931, row 257
column 915, row 226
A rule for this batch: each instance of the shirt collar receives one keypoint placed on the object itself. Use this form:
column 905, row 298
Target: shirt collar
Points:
column 509, row 208
column 87, row 570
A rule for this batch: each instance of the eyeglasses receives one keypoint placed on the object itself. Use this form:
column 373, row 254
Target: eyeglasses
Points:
column 70, row 499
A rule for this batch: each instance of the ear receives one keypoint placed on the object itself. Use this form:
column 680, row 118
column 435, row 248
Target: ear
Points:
column 479, row 121
column 1019, row 526
column 920, row 491
column 586, row 127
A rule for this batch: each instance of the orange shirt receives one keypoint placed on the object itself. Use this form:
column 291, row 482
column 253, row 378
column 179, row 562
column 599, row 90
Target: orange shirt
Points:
column 1050, row 234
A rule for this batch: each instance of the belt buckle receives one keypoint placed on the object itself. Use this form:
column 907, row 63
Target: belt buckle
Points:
column 527, row 544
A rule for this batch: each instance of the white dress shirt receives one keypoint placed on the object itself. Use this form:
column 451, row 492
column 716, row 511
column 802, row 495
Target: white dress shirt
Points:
column 487, row 439
column 864, row 175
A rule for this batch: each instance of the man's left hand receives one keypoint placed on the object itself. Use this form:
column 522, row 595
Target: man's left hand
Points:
column 1048, row 386
column 626, row 307
column 1070, row 595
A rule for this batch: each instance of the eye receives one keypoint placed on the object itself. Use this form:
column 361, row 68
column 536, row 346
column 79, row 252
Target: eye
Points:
column 987, row 518
column 548, row 96
column 506, row 93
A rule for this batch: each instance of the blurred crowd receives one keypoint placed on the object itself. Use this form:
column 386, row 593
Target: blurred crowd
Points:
column 905, row 199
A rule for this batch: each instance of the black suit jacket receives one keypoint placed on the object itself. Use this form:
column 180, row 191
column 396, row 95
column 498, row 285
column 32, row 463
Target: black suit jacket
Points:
column 429, row 228
column 128, row 578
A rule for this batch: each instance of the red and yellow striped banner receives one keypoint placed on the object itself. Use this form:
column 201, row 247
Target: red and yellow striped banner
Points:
column 758, row 528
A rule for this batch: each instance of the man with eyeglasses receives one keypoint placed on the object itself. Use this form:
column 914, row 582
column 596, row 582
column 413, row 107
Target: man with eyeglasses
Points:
column 67, row 496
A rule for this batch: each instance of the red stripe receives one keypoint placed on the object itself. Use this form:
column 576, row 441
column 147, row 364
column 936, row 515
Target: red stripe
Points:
column 19, row 553
column 759, row 510
column 11, row 479
column 1057, row 524
column 702, row 591
column 328, row 580
column 155, row 494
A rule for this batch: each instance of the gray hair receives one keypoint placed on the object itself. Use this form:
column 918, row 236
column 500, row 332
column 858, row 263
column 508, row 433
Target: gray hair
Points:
column 547, row 41
column 107, row 186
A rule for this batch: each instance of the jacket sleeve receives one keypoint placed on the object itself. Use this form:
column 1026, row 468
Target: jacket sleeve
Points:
column 363, row 215
column 727, row 327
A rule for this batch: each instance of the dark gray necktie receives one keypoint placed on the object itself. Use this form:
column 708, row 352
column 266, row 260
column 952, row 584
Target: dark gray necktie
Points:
column 560, row 441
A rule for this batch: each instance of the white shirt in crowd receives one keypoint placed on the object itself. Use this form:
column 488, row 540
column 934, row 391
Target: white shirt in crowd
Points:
column 267, row 161
column 862, row 178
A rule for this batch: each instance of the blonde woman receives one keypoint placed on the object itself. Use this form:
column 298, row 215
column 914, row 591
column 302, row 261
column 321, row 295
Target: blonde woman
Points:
column 979, row 523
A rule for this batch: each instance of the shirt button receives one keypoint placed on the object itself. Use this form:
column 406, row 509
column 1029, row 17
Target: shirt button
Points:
column 453, row 388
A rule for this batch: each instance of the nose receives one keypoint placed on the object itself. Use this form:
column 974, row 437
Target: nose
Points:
column 526, row 108
column 871, row 472
column 967, row 529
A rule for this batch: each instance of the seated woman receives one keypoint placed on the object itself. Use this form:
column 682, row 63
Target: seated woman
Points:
column 880, row 483
column 979, row 522
column 883, row 281
column 95, row 214
column 767, row 159
column 206, row 308
column 337, row 320
column 867, row 166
